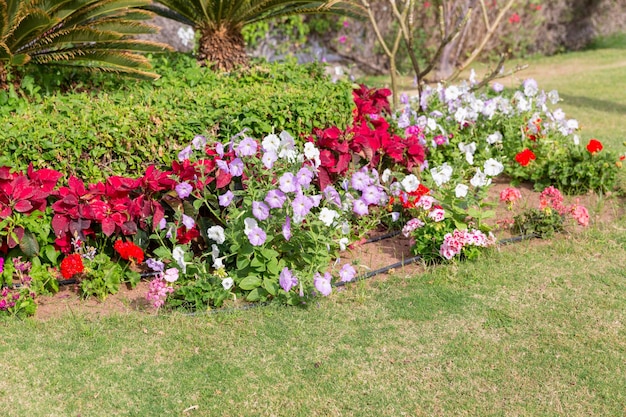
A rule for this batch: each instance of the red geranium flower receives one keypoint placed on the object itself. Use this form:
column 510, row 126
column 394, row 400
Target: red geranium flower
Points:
column 594, row 146
column 72, row 265
column 514, row 18
column 128, row 251
column 524, row 157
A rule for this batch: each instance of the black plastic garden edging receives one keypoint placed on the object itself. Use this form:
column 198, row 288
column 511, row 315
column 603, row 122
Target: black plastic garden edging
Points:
column 361, row 277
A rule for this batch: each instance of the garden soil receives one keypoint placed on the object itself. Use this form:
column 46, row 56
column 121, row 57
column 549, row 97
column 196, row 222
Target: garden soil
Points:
column 366, row 258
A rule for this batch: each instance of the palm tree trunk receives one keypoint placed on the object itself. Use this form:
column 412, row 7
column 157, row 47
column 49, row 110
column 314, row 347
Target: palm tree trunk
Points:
column 3, row 77
column 222, row 48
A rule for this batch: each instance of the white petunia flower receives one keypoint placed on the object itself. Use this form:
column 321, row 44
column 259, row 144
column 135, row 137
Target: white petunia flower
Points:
column 179, row 256
column 494, row 138
column 271, row 143
column 493, row 167
column 227, row 283
column 480, row 179
column 461, row 190
column 249, row 223
column 216, row 233
column 410, row 183
column 441, row 174
column 328, row 216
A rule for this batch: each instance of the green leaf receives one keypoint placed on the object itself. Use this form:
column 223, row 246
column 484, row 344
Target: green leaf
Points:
column 258, row 264
column 29, row 244
column 258, row 294
column 51, row 253
column 242, row 262
column 272, row 267
column 250, row 282
column 133, row 278
column 270, row 286
column 163, row 253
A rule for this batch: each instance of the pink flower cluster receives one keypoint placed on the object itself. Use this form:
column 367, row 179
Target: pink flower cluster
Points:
column 453, row 243
column 580, row 214
column 510, row 195
column 158, row 291
column 411, row 225
column 552, row 198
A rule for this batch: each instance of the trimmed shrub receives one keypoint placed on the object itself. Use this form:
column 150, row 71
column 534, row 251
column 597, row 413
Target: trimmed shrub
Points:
column 120, row 127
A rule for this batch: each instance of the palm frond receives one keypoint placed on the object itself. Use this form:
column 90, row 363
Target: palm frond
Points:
column 77, row 32
column 102, row 8
column 184, row 14
column 125, row 27
column 28, row 28
column 120, row 63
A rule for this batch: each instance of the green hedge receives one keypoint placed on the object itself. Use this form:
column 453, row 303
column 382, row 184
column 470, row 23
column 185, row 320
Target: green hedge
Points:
column 121, row 126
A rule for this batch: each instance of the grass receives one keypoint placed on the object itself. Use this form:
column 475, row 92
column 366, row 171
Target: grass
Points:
column 534, row 329
column 517, row 333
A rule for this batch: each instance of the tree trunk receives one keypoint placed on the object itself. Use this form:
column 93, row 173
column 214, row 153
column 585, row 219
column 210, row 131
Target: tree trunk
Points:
column 223, row 48
column 3, row 77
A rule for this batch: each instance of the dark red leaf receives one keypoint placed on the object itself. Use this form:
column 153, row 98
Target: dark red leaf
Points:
column 60, row 224
column 108, row 226
column 23, row 206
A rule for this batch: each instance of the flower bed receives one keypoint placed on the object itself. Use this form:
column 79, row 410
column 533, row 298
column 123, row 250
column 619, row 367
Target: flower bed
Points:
column 264, row 220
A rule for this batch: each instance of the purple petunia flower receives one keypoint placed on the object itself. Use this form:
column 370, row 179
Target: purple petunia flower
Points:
column 198, row 142
column 322, row 283
column 256, row 236
column 287, row 183
column 347, row 273
column 219, row 149
column 371, row 195
column 188, row 222
column 184, row 154
column 223, row 165
column 359, row 207
column 247, row 147
column 301, row 205
column 287, row 280
column 268, row 159
column 360, row 180
column 226, row 198
column 162, row 223
column 236, row 167
column 316, row 200
column 275, row 198
column 332, row 195
column 287, row 228
column 183, row 189
column 260, row 210
column 304, row 177
column 155, row 265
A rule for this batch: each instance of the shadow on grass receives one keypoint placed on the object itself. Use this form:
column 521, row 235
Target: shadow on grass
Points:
column 594, row 103
column 615, row 41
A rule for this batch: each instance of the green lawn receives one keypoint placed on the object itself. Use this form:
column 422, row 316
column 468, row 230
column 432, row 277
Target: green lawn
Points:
column 533, row 329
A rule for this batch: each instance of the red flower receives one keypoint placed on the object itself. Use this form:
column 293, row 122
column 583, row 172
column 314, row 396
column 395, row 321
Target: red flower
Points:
column 594, row 146
column 524, row 157
column 128, row 251
column 184, row 235
column 72, row 265
column 514, row 18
